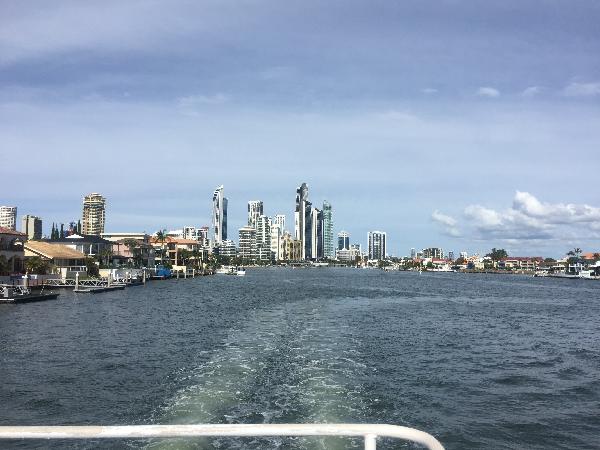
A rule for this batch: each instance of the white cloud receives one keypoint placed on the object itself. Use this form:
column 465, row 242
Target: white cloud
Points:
column 486, row 91
column 449, row 223
column 429, row 91
column 443, row 218
column 530, row 219
column 582, row 89
column 531, row 91
column 485, row 218
column 558, row 213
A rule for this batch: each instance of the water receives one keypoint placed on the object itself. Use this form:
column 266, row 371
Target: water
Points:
column 480, row 361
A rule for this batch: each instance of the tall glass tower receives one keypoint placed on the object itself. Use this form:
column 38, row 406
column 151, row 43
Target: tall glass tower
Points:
column 219, row 217
column 328, row 246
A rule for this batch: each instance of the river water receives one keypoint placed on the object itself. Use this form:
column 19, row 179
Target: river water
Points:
column 479, row 361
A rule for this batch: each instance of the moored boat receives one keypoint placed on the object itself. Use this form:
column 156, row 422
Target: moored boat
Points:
column 20, row 294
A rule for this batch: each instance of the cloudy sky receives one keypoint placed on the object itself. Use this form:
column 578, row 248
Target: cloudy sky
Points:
column 461, row 124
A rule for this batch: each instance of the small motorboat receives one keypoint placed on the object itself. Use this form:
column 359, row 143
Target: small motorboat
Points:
column 21, row 294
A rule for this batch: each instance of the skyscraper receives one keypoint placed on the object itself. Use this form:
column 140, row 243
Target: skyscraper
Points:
column 328, row 245
column 343, row 240
column 94, row 214
column 219, row 216
column 317, row 234
column 8, row 217
column 32, row 227
column 280, row 221
column 255, row 210
column 276, row 237
column 247, row 240
column 263, row 238
column 377, row 245
column 303, row 221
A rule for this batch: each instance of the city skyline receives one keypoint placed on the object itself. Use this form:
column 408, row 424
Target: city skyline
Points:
column 451, row 225
column 447, row 124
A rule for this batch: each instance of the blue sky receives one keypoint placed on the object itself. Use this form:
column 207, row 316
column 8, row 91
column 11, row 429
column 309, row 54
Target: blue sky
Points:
column 461, row 124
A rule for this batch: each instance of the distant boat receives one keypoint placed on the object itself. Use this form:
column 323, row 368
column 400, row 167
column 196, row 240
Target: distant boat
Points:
column 225, row 270
column 240, row 272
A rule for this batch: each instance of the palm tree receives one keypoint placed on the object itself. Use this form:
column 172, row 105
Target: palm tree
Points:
column 133, row 247
column 161, row 236
column 104, row 256
column 575, row 252
column 197, row 256
column 183, row 256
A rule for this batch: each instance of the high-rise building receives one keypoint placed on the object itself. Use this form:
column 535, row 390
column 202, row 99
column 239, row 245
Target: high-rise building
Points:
column 247, row 241
column 255, row 210
column 451, row 255
column 280, row 221
column 377, row 245
column 8, row 217
column 189, row 233
column 276, row 240
column 263, row 238
column 32, row 227
column 263, row 230
column 202, row 236
column 413, row 253
column 94, row 214
column 227, row 248
column 303, row 221
column 433, row 252
column 328, row 244
column 316, row 251
column 219, row 216
column 343, row 240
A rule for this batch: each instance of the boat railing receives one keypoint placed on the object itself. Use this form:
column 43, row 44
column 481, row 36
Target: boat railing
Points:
column 369, row 432
column 14, row 289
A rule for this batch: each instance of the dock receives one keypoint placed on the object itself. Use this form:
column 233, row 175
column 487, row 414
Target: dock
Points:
column 99, row 290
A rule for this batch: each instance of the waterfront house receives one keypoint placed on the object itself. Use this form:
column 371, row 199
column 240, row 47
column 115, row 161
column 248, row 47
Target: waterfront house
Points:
column 63, row 260
column 11, row 251
column 528, row 263
column 176, row 252
column 91, row 246
column 131, row 249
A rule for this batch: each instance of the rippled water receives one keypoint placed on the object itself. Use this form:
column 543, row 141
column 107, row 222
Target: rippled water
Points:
column 480, row 361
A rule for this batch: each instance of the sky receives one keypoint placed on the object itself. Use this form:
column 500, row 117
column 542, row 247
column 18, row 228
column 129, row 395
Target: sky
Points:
column 457, row 124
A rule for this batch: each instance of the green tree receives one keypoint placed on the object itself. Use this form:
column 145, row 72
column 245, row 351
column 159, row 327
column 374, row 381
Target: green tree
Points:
column 92, row 267
column 197, row 256
column 104, row 256
column 3, row 265
column 183, row 256
column 134, row 248
column 574, row 255
column 497, row 254
column 161, row 236
column 36, row 265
